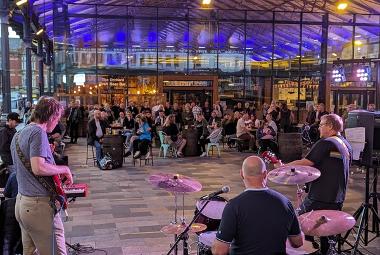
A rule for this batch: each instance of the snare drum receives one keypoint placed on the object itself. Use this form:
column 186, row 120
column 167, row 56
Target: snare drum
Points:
column 205, row 242
column 212, row 213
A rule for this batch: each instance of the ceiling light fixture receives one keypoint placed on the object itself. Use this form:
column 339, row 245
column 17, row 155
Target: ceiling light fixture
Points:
column 21, row 2
column 341, row 5
column 358, row 43
column 206, row 2
column 40, row 31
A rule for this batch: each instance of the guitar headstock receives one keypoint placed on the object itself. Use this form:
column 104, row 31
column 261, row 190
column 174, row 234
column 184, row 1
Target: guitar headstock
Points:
column 269, row 157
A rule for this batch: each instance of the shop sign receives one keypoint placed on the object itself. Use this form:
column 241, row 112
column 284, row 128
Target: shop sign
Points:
column 187, row 83
column 310, row 83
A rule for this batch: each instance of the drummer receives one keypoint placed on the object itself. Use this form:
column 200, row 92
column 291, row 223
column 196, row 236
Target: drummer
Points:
column 259, row 220
column 332, row 156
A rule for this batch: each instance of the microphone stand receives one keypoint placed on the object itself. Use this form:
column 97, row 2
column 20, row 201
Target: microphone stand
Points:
column 184, row 235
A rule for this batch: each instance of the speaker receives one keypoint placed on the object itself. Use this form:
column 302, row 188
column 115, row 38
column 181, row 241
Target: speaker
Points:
column 361, row 118
column 114, row 146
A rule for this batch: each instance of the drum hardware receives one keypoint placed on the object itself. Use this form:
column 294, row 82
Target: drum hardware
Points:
column 184, row 236
column 362, row 215
column 177, row 184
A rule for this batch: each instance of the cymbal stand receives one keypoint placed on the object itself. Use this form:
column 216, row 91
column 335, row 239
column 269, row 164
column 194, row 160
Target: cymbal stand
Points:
column 175, row 220
column 362, row 214
column 299, row 197
column 184, row 236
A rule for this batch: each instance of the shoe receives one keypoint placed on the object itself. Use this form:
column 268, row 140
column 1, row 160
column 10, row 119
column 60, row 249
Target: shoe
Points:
column 147, row 155
column 204, row 154
column 179, row 154
column 127, row 154
column 137, row 155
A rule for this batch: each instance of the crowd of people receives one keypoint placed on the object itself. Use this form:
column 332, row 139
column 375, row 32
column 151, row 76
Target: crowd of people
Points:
column 33, row 156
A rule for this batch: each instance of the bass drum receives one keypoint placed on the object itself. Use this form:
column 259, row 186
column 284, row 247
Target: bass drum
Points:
column 212, row 213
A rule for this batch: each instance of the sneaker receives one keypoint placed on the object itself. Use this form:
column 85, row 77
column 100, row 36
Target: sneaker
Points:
column 147, row 155
column 137, row 154
column 127, row 154
column 204, row 154
column 179, row 154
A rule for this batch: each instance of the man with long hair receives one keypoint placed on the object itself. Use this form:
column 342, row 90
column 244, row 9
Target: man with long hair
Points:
column 41, row 226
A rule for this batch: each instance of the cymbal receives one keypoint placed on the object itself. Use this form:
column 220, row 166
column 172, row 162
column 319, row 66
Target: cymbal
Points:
column 326, row 222
column 179, row 228
column 291, row 175
column 175, row 182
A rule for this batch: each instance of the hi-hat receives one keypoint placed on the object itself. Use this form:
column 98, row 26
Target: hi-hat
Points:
column 326, row 222
column 294, row 174
column 176, row 229
column 175, row 182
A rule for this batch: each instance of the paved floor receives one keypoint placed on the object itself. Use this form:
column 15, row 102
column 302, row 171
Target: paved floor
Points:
column 123, row 213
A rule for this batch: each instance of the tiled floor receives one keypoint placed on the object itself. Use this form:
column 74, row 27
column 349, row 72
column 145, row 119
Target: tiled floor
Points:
column 123, row 213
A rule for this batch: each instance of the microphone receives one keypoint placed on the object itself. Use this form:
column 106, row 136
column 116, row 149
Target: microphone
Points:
column 225, row 189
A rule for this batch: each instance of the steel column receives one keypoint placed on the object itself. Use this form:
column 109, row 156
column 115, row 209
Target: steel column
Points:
column 5, row 62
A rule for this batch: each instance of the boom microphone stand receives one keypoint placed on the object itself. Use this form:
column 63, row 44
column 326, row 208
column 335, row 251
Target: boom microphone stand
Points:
column 184, row 236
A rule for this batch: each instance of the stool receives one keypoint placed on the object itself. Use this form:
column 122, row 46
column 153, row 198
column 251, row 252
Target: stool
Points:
column 211, row 146
column 93, row 157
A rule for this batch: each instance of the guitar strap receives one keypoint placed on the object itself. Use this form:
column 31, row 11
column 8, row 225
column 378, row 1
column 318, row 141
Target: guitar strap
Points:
column 54, row 196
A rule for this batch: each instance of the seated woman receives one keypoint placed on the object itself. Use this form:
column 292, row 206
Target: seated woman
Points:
column 201, row 126
column 229, row 128
column 129, row 125
column 141, row 143
column 266, row 137
column 172, row 137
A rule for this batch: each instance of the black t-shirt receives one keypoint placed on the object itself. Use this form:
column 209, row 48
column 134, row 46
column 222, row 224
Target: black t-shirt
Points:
column 6, row 135
column 171, row 131
column 329, row 156
column 258, row 222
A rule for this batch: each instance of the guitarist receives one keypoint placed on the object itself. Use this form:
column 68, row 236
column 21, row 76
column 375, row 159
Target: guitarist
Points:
column 41, row 226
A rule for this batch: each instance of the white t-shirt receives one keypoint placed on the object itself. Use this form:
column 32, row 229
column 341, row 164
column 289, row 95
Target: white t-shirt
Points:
column 240, row 127
column 273, row 125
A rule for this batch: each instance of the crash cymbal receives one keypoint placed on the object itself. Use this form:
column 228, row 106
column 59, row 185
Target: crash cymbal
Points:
column 291, row 175
column 176, row 229
column 175, row 182
column 326, row 222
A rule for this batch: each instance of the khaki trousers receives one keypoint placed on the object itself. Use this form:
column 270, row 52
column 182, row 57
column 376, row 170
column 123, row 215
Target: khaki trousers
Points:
column 35, row 217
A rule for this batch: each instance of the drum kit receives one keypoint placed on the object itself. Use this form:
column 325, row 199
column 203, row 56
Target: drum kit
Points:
column 208, row 212
column 207, row 215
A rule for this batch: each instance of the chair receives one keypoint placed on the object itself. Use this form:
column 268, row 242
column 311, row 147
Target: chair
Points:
column 165, row 147
column 214, row 141
column 93, row 157
column 148, row 158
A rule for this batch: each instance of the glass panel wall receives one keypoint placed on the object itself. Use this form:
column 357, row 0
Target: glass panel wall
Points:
column 130, row 51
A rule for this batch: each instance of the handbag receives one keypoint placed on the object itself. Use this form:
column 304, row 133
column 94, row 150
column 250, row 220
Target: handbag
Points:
column 106, row 163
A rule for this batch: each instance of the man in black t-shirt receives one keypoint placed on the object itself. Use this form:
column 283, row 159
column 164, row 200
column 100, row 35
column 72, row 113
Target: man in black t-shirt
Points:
column 332, row 156
column 259, row 220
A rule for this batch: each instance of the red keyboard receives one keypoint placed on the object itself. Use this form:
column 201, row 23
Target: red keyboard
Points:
column 76, row 190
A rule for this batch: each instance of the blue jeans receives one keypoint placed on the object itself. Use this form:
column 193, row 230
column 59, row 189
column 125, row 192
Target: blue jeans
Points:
column 99, row 151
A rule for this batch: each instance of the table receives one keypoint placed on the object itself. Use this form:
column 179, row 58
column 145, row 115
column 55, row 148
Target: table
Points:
column 192, row 146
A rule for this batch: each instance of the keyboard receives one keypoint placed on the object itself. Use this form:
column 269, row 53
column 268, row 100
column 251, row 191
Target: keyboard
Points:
column 76, row 190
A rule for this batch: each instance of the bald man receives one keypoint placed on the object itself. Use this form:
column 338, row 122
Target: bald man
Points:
column 259, row 220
